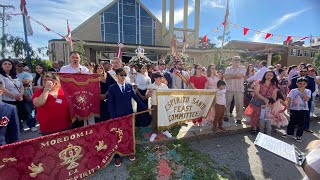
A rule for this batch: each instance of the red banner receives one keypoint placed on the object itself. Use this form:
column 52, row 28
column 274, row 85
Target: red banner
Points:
column 83, row 94
column 72, row 154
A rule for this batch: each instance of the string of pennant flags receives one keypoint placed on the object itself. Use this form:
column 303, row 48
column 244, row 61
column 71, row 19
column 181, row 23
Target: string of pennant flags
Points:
column 313, row 39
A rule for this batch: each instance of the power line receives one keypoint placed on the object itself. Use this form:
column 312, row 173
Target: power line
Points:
column 5, row 18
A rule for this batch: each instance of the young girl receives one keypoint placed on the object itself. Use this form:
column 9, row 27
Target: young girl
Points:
column 266, row 117
column 278, row 108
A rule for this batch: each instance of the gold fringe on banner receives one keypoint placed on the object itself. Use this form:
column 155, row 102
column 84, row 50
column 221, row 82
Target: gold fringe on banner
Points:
column 78, row 83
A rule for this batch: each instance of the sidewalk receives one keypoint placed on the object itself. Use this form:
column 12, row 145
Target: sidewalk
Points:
column 192, row 132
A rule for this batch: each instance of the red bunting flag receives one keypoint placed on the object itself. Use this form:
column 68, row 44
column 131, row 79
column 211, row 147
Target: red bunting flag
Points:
column 226, row 18
column 288, row 38
column 205, row 38
column 268, row 35
column 306, row 37
column 245, row 31
column 69, row 38
column 23, row 7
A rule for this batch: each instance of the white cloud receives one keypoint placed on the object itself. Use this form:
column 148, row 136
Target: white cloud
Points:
column 212, row 3
column 277, row 23
column 53, row 14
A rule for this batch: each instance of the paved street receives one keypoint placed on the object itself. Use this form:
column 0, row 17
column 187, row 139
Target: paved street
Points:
column 237, row 152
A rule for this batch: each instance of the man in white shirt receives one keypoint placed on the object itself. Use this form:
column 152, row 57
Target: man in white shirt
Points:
column 259, row 74
column 74, row 66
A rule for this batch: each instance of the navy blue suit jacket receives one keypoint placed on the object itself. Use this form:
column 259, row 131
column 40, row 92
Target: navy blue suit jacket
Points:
column 119, row 103
column 10, row 133
column 311, row 83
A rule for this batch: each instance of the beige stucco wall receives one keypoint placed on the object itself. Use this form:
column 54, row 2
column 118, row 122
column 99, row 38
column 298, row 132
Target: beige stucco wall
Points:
column 58, row 51
column 158, row 34
column 204, row 59
column 89, row 31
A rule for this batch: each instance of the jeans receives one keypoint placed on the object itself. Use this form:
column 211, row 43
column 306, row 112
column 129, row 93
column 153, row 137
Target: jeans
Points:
column 31, row 120
column 265, row 126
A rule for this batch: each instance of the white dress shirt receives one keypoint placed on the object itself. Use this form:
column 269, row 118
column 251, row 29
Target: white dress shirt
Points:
column 258, row 75
column 69, row 69
column 143, row 81
column 120, row 86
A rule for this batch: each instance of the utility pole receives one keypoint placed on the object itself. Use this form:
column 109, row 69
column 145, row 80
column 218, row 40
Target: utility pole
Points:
column 4, row 18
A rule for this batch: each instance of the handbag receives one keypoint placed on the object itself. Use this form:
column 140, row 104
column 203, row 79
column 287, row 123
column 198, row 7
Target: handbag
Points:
column 258, row 102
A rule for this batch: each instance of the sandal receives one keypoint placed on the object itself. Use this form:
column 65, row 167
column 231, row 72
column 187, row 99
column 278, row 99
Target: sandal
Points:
column 254, row 132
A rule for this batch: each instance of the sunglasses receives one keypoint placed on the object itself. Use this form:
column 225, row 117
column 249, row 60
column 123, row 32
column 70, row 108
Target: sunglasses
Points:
column 123, row 75
column 161, row 64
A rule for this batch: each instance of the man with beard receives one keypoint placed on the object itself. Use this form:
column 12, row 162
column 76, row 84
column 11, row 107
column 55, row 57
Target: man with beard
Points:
column 180, row 78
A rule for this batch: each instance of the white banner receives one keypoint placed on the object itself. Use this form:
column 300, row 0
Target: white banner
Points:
column 177, row 106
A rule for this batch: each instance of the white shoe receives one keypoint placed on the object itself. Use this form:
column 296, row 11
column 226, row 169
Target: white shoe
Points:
column 153, row 137
column 34, row 129
column 167, row 133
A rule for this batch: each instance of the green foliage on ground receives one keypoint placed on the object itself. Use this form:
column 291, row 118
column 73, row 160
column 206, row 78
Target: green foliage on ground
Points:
column 183, row 160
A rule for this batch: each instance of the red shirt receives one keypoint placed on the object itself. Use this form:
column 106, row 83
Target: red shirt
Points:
column 199, row 82
column 54, row 115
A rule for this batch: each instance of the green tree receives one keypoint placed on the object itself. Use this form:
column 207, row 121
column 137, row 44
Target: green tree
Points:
column 316, row 61
column 82, row 52
column 276, row 58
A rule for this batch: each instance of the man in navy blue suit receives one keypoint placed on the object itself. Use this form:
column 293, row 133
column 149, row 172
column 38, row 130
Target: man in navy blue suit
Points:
column 120, row 104
column 312, row 87
column 9, row 133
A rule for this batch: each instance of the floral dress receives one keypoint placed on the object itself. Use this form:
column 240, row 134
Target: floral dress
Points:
column 279, row 119
column 254, row 111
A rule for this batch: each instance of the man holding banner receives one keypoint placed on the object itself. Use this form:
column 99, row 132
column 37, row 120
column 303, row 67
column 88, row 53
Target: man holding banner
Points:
column 74, row 66
column 151, row 92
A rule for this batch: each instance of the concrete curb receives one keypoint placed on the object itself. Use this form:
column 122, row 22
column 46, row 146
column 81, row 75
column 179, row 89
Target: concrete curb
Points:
column 206, row 133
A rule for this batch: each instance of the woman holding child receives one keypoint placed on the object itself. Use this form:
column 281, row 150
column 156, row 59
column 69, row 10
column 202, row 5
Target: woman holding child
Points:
column 263, row 91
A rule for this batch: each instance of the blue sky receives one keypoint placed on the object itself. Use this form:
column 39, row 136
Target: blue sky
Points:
column 285, row 17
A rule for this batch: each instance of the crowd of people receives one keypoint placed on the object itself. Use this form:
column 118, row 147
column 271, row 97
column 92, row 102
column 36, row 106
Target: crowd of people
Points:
column 263, row 93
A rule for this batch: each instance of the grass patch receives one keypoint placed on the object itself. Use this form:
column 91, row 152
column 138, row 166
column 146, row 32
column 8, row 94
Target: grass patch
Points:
column 184, row 162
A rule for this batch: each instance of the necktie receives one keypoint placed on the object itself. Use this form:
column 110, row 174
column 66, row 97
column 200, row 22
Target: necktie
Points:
column 182, row 84
column 122, row 89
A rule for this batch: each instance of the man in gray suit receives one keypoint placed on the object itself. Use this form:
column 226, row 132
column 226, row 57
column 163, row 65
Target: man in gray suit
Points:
column 180, row 78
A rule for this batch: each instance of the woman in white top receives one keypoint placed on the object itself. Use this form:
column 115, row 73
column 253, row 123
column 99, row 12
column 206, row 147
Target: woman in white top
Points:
column 213, row 78
column 41, row 69
column 12, row 87
column 142, row 82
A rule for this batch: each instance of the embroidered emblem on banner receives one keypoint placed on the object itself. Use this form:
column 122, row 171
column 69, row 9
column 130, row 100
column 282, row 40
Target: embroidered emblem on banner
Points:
column 35, row 170
column 70, row 155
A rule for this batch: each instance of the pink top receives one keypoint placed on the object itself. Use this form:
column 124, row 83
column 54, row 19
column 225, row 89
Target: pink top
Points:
column 212, row 82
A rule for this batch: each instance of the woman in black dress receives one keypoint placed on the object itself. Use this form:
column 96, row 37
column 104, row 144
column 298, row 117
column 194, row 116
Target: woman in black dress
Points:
column 104, row 85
